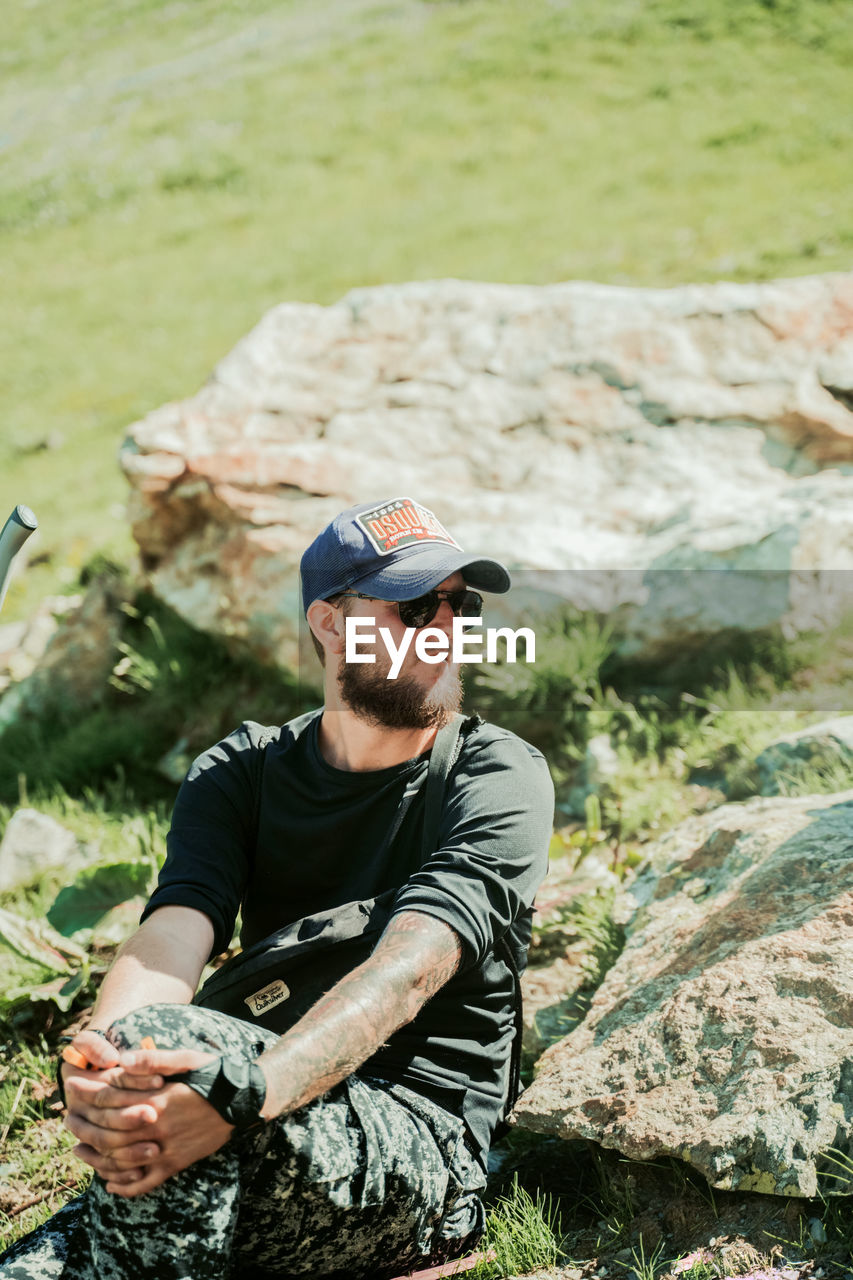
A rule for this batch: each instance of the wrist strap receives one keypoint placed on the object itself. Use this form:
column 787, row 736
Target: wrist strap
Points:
column 235, row 1087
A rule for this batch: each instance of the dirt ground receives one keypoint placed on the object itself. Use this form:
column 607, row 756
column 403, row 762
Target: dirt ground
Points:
column 615, row 1213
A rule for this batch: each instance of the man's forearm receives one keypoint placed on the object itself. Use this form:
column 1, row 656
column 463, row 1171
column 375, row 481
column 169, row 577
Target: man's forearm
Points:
column 130, row 984
column 414, row 958
column 161, row 963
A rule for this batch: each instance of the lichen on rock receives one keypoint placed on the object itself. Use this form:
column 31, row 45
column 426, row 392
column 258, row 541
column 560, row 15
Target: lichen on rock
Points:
column 723, row 1035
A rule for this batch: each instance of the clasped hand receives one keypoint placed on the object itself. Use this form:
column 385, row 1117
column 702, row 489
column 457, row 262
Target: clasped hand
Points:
column 134, row 1127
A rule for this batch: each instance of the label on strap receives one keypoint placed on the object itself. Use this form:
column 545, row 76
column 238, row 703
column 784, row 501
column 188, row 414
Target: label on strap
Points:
column 268, row 997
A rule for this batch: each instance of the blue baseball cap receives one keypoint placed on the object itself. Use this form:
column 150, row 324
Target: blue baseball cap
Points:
column 392, row 550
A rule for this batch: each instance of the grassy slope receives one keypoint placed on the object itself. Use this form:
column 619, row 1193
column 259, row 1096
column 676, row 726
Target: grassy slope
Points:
column 168, row 171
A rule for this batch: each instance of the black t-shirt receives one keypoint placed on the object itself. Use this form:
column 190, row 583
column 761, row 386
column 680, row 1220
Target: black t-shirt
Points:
column 264, row 823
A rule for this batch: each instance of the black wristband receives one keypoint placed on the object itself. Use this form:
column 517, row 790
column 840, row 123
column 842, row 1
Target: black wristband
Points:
column 235, row 1087
column 59, row 1082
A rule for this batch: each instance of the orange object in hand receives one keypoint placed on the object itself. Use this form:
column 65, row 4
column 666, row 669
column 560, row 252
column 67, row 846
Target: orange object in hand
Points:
column 74, row 1056
column 147, row 1043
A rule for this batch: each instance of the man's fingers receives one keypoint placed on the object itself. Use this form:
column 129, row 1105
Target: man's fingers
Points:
column 164, row 1061
column 114, row 1118
column 104, row 1140
column 124, row 1106
column 107, row 1166
column 132, row 1156
column 97, row 1051
column 120, row 1079
column 128, row 1178
column 137, row 1187
column 92, row 1076
column 141, row 1083
column 88, row 1096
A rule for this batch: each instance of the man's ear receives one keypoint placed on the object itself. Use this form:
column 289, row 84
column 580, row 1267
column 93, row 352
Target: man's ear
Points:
column 327, row 623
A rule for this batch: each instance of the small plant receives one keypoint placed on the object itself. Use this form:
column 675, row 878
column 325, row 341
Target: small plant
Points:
column 43, row 966
column 832, row 1233
column 522, row 1234
column 590, row 915
column 135, row 672
column 843, row 1163
column 698, row 1265
column 815, row 779
column 39, row 1173
column 641, row 1267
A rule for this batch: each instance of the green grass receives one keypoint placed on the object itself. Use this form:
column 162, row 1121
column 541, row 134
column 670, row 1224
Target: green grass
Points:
column 171, row 687
column 645, row 1266
column 589, row 916
column 37, row 1172
column 683, row 737
column 170, row 171
column 112, row 822
column 522, row 1234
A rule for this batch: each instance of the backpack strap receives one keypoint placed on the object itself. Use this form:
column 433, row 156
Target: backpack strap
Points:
column 445, row 750
column 504, row 948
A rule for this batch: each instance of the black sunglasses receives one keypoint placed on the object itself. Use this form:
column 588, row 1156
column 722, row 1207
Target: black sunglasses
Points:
column 417, row 613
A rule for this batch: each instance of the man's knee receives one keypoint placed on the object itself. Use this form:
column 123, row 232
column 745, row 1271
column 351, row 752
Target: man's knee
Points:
column 170, row 1026
column 186, row 1026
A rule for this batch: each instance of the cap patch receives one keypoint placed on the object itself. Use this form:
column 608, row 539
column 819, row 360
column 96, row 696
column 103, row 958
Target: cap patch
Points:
column 401, row 523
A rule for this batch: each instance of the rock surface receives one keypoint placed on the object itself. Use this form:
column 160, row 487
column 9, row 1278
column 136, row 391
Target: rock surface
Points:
column 22, row 644
column 33, row 843
column 723, row 1035
column 78, row 655
column 608, row 438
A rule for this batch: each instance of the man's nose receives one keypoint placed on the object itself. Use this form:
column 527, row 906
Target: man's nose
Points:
column 444, row 617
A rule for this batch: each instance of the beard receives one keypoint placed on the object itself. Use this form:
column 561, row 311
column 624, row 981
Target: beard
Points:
column 402, row 703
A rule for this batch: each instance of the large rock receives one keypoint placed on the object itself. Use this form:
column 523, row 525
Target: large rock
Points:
column 77, row 657
column 723, row 1035
column 22, row 644
column 567, row 428
column 33, row 843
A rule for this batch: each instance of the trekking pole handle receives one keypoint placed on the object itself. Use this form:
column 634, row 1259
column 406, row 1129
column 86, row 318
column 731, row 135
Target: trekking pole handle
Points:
column 16, row 530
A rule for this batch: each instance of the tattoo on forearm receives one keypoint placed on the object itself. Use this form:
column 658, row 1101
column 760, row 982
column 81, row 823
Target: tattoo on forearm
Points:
column 413, row 959
column 417, row 941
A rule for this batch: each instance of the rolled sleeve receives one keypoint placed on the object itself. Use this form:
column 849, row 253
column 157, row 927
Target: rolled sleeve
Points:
column 209, row 842
column 494, row 834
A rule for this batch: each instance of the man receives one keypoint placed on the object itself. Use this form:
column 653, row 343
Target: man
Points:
column 355, row 1143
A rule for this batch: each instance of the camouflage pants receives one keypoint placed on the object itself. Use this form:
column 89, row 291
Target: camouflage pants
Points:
column 367, row 1181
